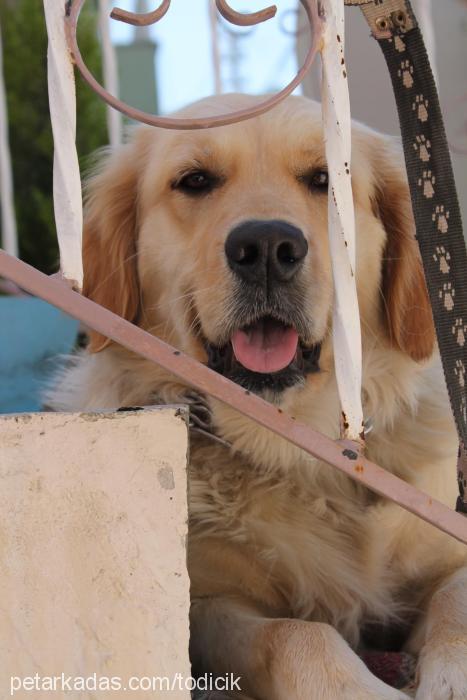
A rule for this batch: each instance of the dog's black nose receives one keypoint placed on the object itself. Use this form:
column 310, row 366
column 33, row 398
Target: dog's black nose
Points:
column 265, row 251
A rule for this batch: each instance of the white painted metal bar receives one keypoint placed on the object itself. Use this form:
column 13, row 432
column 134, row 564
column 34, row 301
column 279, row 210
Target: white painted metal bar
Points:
column 337, row 129
column 110, row 70
column 9, row 232
column 66, row 176
column 215, row 50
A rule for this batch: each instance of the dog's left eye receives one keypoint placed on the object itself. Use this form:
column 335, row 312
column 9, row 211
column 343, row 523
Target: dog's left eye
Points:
column 320, row 179
column 316, row 180
column 196, row 182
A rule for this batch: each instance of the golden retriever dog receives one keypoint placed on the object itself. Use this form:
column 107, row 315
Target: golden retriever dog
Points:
column 216, row 241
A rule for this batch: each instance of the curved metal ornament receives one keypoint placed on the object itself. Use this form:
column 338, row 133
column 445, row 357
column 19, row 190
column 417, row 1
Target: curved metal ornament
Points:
column 316, row 31
column 141, row 20
column 243, row 20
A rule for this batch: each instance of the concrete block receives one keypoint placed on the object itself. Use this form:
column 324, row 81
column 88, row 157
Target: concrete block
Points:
column 93, row 525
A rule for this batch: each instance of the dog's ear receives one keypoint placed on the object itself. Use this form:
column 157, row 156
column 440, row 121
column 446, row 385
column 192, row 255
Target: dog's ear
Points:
column 110, row 239
column 406, row 305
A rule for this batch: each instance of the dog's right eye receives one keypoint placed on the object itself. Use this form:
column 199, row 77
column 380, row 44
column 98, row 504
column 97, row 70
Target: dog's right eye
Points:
column 196, row 182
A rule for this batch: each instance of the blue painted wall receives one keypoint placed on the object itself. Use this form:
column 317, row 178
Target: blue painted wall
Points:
column 32, row 334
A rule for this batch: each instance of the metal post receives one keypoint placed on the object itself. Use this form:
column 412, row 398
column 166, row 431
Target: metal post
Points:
column 9, row 232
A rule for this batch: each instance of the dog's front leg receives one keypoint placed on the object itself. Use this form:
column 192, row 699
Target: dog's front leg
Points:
column 279, row 659
column 442, row 667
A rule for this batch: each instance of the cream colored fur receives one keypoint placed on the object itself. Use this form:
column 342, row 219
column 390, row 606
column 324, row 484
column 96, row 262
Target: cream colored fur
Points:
column 288, row 558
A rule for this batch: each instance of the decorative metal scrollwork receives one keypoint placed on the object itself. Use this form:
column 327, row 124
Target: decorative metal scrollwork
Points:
column 246, row 20
column 141, row 20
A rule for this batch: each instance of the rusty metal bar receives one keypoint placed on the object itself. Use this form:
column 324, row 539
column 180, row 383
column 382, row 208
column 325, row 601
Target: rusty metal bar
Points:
column 338, row 454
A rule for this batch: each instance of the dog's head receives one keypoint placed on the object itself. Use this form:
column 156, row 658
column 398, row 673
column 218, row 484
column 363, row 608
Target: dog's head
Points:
column 217, row 242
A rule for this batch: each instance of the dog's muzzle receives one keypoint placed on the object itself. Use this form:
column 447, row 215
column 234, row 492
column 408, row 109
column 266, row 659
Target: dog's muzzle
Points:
column 266, row 348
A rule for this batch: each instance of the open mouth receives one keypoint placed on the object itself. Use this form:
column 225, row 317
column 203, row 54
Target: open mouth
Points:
column 266, row 354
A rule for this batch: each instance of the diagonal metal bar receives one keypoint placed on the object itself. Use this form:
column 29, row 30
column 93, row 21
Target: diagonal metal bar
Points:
column 338, row 454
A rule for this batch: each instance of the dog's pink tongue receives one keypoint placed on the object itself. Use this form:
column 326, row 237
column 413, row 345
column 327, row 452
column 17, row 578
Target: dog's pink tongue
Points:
column 265, row 347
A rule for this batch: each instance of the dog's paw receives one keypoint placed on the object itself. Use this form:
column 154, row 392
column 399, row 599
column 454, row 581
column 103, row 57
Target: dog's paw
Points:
column 442, row 672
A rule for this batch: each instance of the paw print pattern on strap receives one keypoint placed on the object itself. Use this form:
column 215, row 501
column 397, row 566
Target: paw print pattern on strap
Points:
column 399, row 44
column 427, row 182
column 460, row 372
column 420, row 105
column 442, row 257
column 459, row 330
column 447, row 294
column 406, row 73
column 441, row 217
column 422, row 146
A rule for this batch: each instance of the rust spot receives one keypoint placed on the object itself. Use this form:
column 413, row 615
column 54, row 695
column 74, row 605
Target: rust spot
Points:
column 359, row 468
column 176, row 352
column 279, row 410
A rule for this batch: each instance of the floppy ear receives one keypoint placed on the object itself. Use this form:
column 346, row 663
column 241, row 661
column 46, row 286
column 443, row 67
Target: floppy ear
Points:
column 110, row 240
column 406, row 306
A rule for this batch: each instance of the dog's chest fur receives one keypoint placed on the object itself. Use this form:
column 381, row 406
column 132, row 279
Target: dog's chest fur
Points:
column 315, row 554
